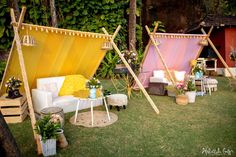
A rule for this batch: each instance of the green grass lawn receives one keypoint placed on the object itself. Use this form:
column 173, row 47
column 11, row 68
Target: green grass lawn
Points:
column 178, row 131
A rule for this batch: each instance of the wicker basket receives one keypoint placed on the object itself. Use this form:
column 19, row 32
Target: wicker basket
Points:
column 181, row 99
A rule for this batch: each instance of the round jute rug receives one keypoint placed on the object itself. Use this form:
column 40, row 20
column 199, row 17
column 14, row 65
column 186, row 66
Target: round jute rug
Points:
column 100, row 119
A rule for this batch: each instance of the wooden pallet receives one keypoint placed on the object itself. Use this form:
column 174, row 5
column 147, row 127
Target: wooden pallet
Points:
column 14, row 110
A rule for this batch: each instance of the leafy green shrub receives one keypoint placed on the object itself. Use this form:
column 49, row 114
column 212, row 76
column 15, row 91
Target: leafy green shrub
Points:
column 108, row 65
column 2, row 68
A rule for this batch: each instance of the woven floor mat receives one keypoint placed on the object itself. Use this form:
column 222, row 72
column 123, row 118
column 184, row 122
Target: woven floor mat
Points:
column 100, row 119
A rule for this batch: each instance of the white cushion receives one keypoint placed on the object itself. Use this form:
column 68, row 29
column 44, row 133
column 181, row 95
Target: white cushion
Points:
column 159, row 73
column 179, row 75
column 51, row 87
column 156, row 79
column 58, row 80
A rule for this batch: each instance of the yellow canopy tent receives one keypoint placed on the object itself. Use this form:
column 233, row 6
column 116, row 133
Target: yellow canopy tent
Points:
column 56, row 52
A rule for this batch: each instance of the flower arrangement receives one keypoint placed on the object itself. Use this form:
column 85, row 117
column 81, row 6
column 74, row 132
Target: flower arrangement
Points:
column 130, row 56
column 197, row 68
column 93, row 83
column 47, row 127
column 12, row 87
column 13, row 84
column 180, row 88
column 132, row 59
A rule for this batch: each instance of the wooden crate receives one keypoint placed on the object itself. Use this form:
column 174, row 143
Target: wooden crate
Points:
column 157, row 88
column 14, row 110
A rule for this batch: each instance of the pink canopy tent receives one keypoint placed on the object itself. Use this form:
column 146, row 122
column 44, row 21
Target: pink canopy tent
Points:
column 177, row 51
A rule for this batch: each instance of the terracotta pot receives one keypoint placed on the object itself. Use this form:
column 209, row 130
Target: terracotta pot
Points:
column 181, row 99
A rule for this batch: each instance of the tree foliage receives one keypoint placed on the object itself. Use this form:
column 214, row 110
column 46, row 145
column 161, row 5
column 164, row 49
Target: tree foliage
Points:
column 6, row 33
column 220, row 7
column 81, row 15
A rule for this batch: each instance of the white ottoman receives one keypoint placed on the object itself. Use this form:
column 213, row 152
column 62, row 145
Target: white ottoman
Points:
column 211, row 83
column 117, row 100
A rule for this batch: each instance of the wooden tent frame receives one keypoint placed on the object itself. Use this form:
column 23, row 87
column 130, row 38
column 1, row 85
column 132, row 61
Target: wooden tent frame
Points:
column 16, row 27
column 130, row 69
column 151, row 40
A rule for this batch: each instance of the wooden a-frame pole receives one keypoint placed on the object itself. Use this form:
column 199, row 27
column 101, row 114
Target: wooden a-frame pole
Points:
column 16, row 27
column 130, row 69
column 218, row 54
column 21, row 18
column 208, row 35
column 201, row 48
column 159, row 54
column 148, row 46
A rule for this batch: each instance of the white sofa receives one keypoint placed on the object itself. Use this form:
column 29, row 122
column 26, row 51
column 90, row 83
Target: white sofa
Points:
column 46, row 95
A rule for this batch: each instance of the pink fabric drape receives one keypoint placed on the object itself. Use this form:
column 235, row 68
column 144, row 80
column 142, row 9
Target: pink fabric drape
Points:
column 177, row 51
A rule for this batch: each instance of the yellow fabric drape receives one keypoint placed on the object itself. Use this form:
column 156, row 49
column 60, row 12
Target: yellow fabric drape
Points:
column 57, row 54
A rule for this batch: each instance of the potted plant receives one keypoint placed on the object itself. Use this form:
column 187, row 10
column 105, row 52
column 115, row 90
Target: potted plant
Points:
column 191, row 91
column 198, row 72
column 181, row 98
column 48, row 128
column 93, row 84
column 12, row 87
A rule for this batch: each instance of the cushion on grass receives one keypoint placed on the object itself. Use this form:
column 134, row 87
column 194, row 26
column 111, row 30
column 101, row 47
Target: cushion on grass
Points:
column 73, row 83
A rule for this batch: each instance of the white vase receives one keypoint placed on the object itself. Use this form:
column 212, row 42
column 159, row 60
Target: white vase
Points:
column 48, row 147
column 191, row 96
column 92, row 93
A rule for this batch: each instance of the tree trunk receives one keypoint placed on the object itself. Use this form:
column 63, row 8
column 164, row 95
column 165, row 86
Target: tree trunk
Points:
column 14, row 4
column 132, row 24
column 8, row 146
column 53, row 13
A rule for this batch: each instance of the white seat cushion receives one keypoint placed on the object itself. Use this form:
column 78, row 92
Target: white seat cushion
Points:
column 156, row 79
column 65, row 100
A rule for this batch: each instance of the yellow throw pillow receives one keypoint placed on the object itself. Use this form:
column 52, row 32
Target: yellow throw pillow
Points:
column 73, row 83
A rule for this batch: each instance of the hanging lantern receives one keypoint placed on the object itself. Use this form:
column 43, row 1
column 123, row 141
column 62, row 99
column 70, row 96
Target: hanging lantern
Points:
column 107, row 46
column 203, row 42
column 28, row 40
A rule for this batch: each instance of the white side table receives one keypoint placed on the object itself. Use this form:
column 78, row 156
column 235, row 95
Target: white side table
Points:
column 91, row 105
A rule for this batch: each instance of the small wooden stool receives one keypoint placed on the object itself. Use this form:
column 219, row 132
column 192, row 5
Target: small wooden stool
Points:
column 117, row 100
column 56, row 111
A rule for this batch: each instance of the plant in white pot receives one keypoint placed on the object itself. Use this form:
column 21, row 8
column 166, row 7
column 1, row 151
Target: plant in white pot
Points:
column 191, row 91
column 48, row 128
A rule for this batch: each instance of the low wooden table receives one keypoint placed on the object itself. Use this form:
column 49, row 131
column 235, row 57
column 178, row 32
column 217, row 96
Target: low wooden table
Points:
column 157, row 88
column 13, row 110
